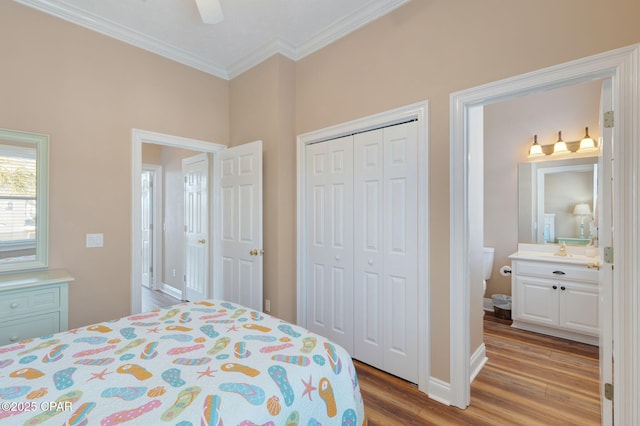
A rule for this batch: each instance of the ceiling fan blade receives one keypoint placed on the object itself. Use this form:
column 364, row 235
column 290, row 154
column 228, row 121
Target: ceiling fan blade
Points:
column 210, row 11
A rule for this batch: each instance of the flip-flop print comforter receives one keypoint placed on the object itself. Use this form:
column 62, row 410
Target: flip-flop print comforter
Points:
column 201, row 363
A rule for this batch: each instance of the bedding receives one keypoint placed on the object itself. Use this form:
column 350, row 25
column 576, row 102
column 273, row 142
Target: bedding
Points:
column 209, row 362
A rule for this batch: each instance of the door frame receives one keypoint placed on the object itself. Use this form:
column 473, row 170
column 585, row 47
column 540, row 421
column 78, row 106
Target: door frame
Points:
column 156, row 259
column 622, row 66
column 138, row 137
column 420, row 112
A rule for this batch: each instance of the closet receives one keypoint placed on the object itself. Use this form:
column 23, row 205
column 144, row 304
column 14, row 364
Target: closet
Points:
column 362, row 242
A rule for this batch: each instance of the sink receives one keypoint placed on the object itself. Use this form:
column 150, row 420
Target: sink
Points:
column 569, row 258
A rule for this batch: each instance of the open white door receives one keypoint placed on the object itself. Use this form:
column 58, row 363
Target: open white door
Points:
column 604, row 221
column 196, row 230
column 239, row 171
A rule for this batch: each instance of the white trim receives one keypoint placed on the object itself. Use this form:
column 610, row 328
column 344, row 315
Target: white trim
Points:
column 138, row 137
column 623, row 67
column 440, row 391
column 477, row 361
column 418, row 111
column 158, row 220
column 370, row 12
column 170, row 290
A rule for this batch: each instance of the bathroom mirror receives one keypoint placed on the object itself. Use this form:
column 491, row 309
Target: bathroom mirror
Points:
column 548, row 193
column 24, row 169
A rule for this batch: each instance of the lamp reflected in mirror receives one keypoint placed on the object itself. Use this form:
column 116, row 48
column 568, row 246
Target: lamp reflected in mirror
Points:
column 582, row 210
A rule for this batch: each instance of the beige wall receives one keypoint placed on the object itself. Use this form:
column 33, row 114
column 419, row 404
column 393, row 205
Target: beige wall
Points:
column 263, row 107
column 508, row 133
column 87, row 92
column 429, row 49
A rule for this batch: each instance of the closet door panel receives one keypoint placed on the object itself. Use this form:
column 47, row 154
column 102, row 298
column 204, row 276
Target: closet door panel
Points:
column 369, row 247
column 329, row 210
column 401, row 247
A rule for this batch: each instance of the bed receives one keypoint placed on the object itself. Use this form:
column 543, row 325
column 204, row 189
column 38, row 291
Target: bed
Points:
column 209, row 362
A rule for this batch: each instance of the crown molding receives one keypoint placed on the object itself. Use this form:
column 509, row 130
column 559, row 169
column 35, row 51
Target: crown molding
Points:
column 328, row 35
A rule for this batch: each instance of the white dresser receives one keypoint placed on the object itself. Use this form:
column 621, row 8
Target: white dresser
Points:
column 33, row 304
column 556, row 295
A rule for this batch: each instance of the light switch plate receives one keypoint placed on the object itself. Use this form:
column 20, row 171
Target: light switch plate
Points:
column 95, row 240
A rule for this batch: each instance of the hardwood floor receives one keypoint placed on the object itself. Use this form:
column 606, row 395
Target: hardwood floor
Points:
column 530, row 379
column 154, row 299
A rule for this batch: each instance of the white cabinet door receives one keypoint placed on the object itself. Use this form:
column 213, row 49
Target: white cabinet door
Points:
column 240, row 172
column 578, row 305
column 329, row 210
column 537, row 300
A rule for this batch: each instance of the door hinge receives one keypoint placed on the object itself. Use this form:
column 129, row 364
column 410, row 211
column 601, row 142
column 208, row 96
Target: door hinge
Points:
column 608, row 254
column 608, row 391
column 608, row 119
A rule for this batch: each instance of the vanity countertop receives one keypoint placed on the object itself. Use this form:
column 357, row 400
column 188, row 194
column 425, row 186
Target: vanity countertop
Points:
column 549, row 253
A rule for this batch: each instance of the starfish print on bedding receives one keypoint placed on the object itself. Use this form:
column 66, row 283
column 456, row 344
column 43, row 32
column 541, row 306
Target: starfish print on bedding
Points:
column 208, row 372
column 232, row 328
column 308, row 387
column 99, row 375
column 153, row 330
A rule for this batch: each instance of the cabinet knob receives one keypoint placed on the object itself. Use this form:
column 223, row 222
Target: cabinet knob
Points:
column 13, row 305
column 563, row 288
column 337, row 257
column 13, row 338
column 555, row 287
column 559, row 272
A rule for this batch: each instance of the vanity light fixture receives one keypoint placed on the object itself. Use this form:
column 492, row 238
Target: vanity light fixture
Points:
column 587, row 143
column 560, row 147
column 536, row 148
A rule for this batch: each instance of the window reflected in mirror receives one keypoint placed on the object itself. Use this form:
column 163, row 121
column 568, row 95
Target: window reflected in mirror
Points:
column 23, row 200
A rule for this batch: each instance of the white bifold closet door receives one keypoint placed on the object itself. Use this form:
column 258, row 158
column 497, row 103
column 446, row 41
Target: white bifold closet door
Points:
column 330, row 235
column 362, row 257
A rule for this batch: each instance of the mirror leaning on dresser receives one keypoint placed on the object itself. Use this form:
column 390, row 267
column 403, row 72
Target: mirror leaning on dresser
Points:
column 555, row 290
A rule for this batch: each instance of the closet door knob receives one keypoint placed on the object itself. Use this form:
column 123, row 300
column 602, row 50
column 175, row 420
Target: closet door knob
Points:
column 555, row 287
column 13, row 338
column 563, row 288
column 370, row 262
column 337, row 257
column 13, row 305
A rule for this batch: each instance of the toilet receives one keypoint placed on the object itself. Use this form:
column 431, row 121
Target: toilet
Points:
column 487, row 266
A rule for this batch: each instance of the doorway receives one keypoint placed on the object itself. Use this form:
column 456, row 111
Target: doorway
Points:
column 621, row 66
column 236, row 193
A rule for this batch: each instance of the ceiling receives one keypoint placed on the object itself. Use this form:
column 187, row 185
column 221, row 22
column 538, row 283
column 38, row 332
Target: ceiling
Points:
column 252, row 30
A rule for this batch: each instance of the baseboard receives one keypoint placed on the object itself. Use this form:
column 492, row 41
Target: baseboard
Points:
column 487, row 304
column 171, row 291
column 440, row 391
column 477, row 361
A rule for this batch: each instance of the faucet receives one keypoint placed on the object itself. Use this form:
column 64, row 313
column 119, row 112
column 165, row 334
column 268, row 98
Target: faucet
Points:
column 563, row 250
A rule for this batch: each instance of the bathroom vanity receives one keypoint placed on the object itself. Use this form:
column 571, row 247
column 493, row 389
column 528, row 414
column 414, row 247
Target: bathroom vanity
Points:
column 555, row 291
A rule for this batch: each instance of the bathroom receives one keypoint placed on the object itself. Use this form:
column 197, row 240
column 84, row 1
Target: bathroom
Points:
column 509, row 200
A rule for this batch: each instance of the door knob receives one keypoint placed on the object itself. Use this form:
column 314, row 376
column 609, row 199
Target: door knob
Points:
column 253, row 252
column 201, row 241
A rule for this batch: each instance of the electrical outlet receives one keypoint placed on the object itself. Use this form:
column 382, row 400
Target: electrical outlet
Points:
column 267, row 305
